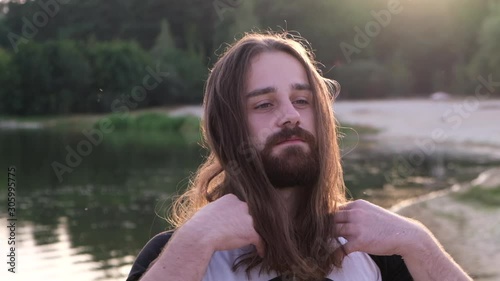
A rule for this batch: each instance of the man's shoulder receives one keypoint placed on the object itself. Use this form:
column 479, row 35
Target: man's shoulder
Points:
column 161, row 238
column 156, row 244
column 148, row 254
column 392, row 268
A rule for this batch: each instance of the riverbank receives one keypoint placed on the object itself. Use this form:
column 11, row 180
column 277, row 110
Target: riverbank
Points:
column 425, row 124
column 468, row 230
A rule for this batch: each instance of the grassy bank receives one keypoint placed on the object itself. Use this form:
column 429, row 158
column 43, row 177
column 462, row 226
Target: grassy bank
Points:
column 489, row 197
column 151, row 122
column 150, row 126
column 145, row 120
column 76, row 122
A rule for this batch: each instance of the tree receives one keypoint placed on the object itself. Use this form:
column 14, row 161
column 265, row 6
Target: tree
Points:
column 8, row 80
column 186, row 68
column 50, row 77
column 486, row 61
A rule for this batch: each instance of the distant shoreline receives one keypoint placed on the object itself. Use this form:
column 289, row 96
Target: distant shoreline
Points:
column 424, row 122
column 401, row 121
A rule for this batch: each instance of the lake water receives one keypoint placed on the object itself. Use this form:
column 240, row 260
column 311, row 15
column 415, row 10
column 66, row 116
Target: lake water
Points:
column 91, row 221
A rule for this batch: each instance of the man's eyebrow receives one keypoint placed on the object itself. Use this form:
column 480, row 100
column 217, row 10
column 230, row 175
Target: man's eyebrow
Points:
column 267, row 90
column 258, row 92
column 301, row 86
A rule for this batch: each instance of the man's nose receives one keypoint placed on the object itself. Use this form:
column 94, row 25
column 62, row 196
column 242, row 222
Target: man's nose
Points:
column 289, row 116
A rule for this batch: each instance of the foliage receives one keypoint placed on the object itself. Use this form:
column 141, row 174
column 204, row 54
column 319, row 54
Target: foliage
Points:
column 50, row 76
column 117, row 68
column 158, row 122
column 164, row 41
column 187, row 76
column 426, row 46
column 151, row 122
column 484, row 196
column 487, row 59
column 6, row 80
column 57, row 77
column 362, row 79
column 185, row 67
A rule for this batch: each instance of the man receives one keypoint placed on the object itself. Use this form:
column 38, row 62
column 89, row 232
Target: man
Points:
column 269, row 203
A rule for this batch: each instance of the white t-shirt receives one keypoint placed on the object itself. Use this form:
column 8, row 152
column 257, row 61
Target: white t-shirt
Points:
column 356, row 266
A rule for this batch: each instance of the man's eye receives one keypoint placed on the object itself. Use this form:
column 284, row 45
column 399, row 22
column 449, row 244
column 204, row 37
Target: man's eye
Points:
column 263, row 105
column 301, row 102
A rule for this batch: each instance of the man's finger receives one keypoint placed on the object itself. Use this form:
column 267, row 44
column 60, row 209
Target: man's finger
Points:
column 259, row 246
column 343, row 229
column 345, row 206
column 348, row 248
column 343, row 250
column 341, row 217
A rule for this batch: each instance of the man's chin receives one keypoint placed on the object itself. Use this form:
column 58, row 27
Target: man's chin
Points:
column 285, row 150
column 292, row 170
column 296, row 177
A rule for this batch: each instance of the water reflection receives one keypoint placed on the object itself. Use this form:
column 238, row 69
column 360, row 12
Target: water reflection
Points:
column 91, row 225
column 102, row 213
column 59, row 258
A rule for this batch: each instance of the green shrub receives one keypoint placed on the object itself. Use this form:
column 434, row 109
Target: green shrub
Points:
column 157, row 122
column 153, row 122
column 8, row 80
column 117, row 67
column 120, row 123
column 186, row 68
column 486, row 60
column 59, row 77
column 483, row 196
column 50, row 76
column 188, row 74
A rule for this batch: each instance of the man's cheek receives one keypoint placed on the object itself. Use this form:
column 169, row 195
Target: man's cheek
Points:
column 262, row 136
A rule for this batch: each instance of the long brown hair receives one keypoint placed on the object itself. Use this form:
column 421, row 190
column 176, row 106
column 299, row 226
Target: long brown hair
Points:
column 301, row 244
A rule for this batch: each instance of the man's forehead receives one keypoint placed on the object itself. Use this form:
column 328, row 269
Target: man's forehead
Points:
column 273, row 70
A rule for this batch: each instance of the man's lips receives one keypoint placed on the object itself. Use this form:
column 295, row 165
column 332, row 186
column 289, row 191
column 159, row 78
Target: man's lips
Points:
column 293, row 139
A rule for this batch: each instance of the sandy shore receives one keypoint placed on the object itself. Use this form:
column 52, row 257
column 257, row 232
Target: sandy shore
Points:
column 468, row 231
column 442, row 121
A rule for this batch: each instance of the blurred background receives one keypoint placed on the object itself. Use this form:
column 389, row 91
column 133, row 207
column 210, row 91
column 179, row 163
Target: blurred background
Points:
column 100, row 104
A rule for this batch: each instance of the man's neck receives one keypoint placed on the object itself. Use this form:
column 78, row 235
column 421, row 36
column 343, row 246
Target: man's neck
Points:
column 290, row 197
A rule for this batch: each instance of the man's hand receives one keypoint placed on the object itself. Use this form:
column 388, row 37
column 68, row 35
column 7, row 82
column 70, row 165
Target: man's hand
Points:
column 374, row 230
column 225, row 224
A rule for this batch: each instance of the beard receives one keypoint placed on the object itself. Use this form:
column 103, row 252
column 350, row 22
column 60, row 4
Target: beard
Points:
column 293, row 165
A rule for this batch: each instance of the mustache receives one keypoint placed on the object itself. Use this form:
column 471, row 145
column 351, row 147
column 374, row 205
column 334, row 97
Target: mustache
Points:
column 287, row 133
